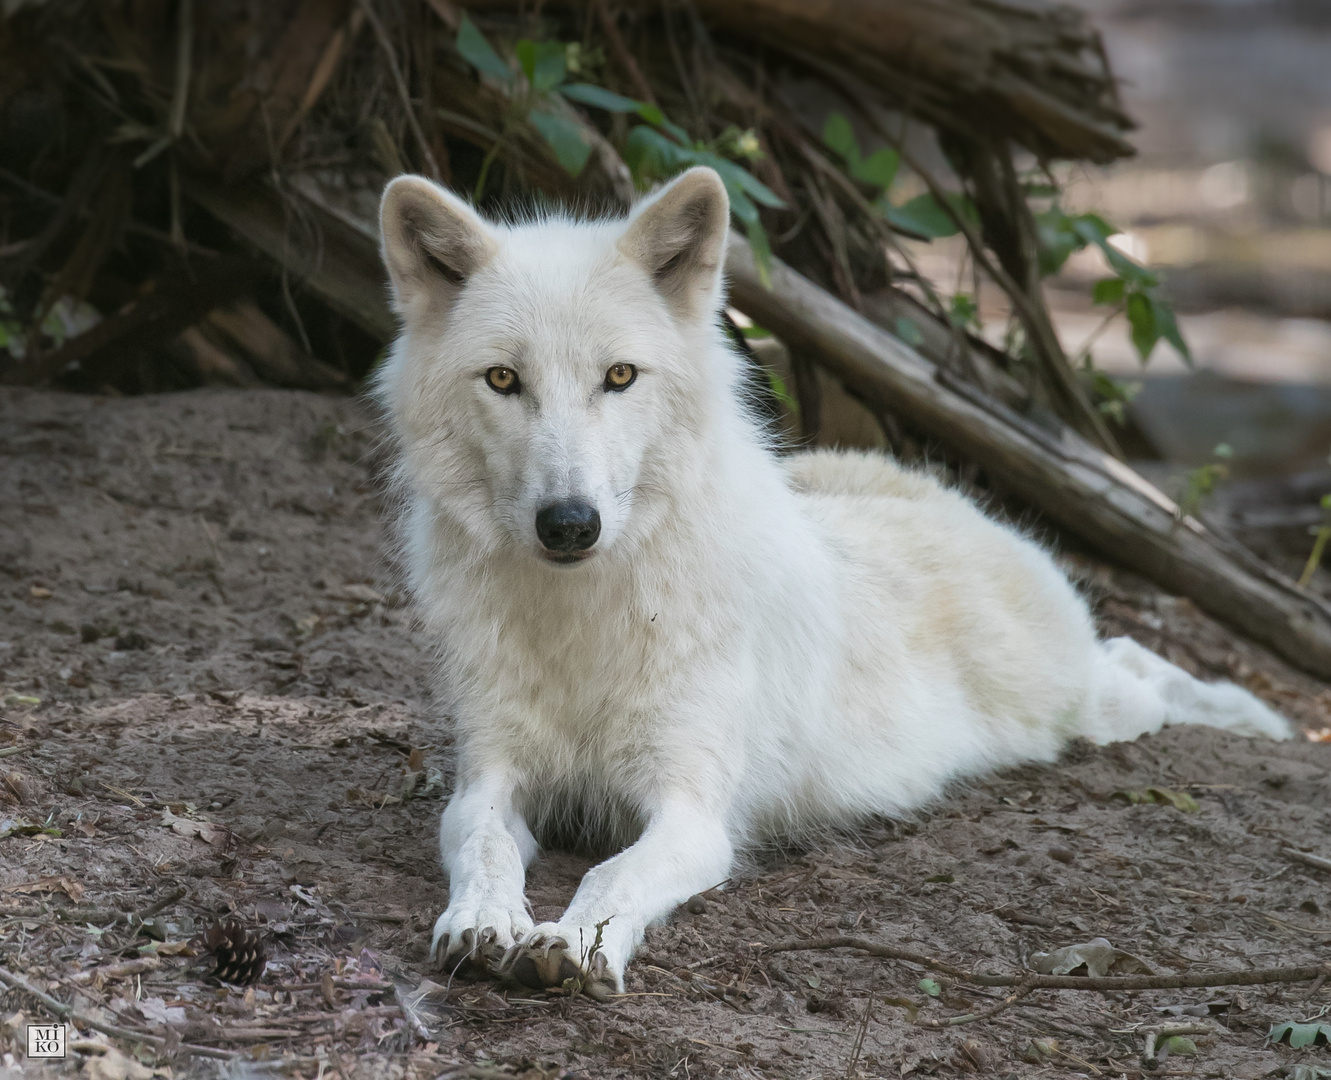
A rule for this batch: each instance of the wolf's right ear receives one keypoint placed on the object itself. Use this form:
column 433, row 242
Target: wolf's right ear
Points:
column 432, row 241
column 679, row 237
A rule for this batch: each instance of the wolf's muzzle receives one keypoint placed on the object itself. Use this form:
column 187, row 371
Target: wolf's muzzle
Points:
column 568, row 529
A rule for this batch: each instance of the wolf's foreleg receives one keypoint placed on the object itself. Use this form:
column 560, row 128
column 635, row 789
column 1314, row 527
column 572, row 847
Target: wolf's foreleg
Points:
column 684, row 850
column 486, row 847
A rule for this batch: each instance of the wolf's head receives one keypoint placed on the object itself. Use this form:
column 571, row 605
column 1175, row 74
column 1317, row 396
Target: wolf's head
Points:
column 543, row 366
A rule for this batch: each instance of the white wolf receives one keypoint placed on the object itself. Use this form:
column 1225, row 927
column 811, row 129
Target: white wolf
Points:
column 650, row 622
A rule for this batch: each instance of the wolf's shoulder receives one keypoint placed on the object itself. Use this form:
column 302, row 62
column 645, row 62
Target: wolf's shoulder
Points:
column 858, row 473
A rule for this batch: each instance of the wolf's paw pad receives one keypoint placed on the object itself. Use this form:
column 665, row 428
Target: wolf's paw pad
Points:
column 551, row 955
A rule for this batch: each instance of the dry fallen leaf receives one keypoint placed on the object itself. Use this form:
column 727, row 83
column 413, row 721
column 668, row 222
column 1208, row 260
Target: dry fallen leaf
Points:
column 1096, row 958
column 40, row 592
column 111, row 1064
column 207, row 831
column 66, row 885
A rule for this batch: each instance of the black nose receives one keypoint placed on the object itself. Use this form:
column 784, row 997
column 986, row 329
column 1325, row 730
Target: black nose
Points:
column 571, row 525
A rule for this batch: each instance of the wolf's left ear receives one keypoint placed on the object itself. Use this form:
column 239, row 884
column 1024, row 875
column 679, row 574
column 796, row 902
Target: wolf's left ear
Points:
column 679, row 237
column 432, row 241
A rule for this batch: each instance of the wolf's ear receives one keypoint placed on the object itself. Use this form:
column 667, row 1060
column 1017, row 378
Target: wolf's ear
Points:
column 679, row 237
column 432, row 240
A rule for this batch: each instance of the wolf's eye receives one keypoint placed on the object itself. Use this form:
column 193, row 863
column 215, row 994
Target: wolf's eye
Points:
column 502, row 380
column 620, row 376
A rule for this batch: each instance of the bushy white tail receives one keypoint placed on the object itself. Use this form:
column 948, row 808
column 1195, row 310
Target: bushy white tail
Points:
column 1137, row 692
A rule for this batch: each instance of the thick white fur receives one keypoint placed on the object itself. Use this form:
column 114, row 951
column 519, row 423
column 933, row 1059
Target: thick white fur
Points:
column 758, row 646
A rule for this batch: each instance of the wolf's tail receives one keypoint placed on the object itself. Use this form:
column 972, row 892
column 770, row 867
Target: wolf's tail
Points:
column 1137, row 692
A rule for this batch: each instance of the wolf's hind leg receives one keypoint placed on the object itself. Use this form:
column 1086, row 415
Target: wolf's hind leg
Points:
column 486, row 846
column 684, row 850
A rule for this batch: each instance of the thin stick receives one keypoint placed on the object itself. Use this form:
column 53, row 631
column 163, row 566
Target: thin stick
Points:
column 1256, row 977
column 184, row 68
column 1315, row 861
column 384, row 43
column 165, row 902
column 972, row 1018
column 68, row 1012
column 13, row 751
column 859, row 1038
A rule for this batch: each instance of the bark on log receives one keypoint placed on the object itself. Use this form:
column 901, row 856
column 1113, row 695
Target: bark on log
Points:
column 1085, row 490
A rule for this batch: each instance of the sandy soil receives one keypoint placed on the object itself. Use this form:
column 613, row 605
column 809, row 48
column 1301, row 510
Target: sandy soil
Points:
column 214, row 691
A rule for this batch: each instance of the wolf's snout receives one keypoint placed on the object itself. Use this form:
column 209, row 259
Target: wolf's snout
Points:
column 568, row 527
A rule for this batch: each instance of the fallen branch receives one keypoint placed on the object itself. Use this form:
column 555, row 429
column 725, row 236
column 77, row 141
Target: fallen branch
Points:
column 1024, row 990
column 1315, row 861
column 1032, row 981
column 1085, row 490
column 148, row 322
column 68, row 1012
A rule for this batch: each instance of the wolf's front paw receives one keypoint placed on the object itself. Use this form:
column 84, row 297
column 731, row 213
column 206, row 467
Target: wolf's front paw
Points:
column 483, row 933
column 553, row 953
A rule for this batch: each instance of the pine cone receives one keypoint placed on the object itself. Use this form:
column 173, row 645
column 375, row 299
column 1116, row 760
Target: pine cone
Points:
column 239, row 954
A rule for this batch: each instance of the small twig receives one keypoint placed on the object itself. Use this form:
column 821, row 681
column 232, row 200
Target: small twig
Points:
column 372, row 17
column 152, row 909
column 68, row 1012
column 1256, row 977
column 1154, row 1035
column 14, row 751
column 1315, row 861
column 184, row 68
column 973, row 1018
column 859, row 1038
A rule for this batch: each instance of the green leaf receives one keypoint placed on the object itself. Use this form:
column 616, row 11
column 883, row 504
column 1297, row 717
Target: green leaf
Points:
column 924, row 216
column 651, row 156
column 1300, row 1035
column 567, row 138
column 1142, row 324
column 813, row 981
column 738, row 178
column 598, row 97
column 964, row 311
column 878, row 169
column 1108, row 291
column 840, row 137
column 480, row 54
column 931, row 987
column 1179, row 800
column 1168, row 327
column 543, row 63
column 762, row 251
column 1179, row 1046
column 908, row 332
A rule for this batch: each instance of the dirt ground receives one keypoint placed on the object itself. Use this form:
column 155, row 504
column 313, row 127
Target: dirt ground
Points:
column 215, row 696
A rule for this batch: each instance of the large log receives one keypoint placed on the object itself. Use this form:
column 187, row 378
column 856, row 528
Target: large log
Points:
column 1091, row 494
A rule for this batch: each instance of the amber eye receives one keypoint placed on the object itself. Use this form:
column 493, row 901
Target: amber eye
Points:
column 620, row 376
column 502, row 380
